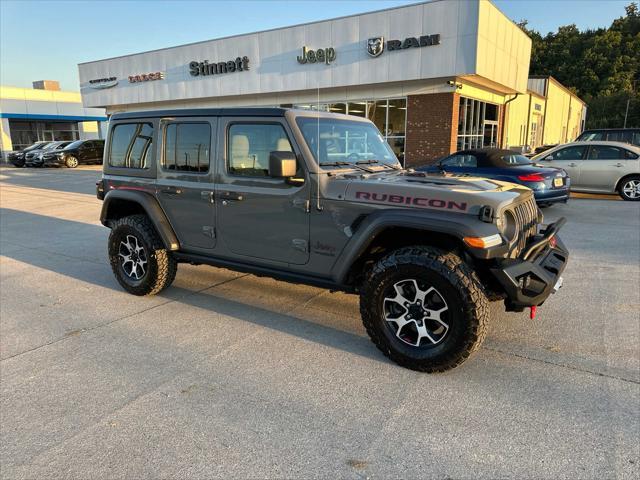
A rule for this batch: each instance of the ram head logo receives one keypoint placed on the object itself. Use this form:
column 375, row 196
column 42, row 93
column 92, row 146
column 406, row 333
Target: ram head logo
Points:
column 375, row 46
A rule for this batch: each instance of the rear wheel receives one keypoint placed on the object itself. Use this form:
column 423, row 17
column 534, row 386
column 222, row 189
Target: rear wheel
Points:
column 138, row 259
column 630, row 189
column 424, row 308
column 71, row 162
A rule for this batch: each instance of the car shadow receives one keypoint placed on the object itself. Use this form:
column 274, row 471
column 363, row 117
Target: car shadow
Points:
column 92, row 266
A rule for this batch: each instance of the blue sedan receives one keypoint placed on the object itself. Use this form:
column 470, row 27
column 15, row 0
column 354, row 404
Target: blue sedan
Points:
column 549, row 185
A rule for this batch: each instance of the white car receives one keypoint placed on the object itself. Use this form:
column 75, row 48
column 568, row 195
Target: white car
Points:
column 598, row 167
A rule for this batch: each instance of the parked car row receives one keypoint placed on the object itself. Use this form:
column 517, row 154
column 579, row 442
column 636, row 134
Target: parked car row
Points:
column 591, row 167
column 58, row 154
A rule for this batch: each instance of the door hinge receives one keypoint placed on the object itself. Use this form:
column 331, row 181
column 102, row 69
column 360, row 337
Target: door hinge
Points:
column 209, row 231
column 300, row 244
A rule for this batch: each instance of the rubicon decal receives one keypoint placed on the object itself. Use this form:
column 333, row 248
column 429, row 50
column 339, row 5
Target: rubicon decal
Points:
column 416, row 201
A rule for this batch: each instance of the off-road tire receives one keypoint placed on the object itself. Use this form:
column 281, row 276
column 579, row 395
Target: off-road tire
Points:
column 626, row 184
column 71, row 162
column 458, row 285
column 161, row 266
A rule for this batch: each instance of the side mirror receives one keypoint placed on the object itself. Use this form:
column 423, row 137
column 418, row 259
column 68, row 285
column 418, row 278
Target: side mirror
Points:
column 282, row 164
column 548, row 158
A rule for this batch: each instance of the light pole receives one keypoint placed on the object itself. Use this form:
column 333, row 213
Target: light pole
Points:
column 626, row 113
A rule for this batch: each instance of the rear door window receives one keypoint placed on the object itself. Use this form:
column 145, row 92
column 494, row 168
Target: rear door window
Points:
column 605, row 152
column 186, row 147
column 130, row 145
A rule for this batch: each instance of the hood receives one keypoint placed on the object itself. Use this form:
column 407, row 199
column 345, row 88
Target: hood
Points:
column 423, row 190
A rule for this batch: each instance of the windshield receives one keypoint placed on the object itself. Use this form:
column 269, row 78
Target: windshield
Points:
column 35, row 146
column 345, row 142
column 51, row 146
column 73, row 145
column 516, row 159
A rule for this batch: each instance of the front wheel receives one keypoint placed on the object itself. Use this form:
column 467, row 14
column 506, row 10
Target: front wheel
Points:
column 630, row 189
column 424, row 308
column 138, row 259
column 71, row 162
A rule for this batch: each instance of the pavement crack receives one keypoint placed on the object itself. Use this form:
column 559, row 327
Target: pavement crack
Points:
column 563, row 365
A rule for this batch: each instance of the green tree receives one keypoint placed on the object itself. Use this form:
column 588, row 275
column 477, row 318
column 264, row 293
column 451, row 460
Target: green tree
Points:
column 602, row 66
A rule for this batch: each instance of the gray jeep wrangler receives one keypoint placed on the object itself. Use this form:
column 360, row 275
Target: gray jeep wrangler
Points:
column 321, row 199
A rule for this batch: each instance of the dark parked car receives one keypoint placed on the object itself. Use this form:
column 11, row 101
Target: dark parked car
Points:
column 625, row 135
column 34, row 158
column 549, row 185
column 539, row 150
column 76, row 153
column 17, row 157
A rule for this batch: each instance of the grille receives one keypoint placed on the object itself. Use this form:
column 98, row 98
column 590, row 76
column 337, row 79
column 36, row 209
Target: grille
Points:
column 526, row 217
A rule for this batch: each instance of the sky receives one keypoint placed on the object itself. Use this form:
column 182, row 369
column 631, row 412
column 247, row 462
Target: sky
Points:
column 46, row 39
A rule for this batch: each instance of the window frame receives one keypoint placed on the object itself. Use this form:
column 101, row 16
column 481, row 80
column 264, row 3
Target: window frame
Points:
column 149, row 151
column 227, row 149
column 163, row 148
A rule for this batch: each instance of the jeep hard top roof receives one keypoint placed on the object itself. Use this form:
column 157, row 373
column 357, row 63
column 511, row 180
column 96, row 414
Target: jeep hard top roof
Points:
column 233, row 112
column 204, row 112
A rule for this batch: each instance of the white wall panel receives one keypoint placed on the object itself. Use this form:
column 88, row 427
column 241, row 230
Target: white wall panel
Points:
column 274, row 69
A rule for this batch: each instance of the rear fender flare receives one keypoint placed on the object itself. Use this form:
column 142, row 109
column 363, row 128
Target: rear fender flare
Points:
column 150, row 206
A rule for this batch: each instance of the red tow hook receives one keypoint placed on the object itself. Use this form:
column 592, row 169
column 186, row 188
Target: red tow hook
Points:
column 532, row 312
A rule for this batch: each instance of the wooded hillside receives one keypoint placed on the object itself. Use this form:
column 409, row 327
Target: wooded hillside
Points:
column 601, row 66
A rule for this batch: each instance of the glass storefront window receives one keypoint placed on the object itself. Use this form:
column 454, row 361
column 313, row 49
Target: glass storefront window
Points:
column 338, row 108
column 24, row 134
column 358, row 109
column 477, row 124
column 397, row 117
column 377, row 113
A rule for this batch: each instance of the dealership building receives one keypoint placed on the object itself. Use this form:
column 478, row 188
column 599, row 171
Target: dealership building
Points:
column 44, row 112
column 434, row 77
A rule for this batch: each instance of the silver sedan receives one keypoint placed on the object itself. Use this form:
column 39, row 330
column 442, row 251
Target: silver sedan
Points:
column 598, row 167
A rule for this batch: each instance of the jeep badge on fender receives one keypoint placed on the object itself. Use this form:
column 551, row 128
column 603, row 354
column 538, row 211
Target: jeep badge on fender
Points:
column 291, row 194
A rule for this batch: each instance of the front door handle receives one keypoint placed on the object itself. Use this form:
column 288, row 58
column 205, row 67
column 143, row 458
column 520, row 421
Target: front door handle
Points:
column 207, row 196
column 171, row 191
column 573, row 164
column 235, row 197
column 618, row 165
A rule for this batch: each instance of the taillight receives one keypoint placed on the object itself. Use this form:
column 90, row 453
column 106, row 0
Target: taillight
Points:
column 533, row 177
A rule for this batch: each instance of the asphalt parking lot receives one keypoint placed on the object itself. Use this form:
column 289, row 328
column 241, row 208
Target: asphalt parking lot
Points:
column 227, row 375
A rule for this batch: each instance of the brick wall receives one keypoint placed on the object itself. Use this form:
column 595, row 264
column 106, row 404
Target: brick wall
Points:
column 432, row 127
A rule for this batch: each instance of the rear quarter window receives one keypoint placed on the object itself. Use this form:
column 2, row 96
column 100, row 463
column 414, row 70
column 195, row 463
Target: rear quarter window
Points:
column 131, row 145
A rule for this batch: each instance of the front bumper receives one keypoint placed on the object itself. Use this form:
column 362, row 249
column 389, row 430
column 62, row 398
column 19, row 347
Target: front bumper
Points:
column 52, row 162
column 537, row 273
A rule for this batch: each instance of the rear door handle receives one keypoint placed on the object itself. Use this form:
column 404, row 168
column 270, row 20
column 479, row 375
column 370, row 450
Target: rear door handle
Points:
column 573, row 164
column 618, row 165
column 235, row 197
column 171, row 191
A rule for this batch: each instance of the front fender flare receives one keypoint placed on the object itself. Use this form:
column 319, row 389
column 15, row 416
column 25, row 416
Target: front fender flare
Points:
column 151, row 207
column 457, row 225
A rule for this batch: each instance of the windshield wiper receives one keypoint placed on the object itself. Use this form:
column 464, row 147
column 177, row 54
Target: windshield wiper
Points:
column 371, row 162
column 334, row 164
column 346, row 164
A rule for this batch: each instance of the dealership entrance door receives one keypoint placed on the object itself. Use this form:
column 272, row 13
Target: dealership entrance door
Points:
column 490, row 134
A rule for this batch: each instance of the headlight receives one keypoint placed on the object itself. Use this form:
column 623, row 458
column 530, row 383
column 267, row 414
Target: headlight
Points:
column 507, row 226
